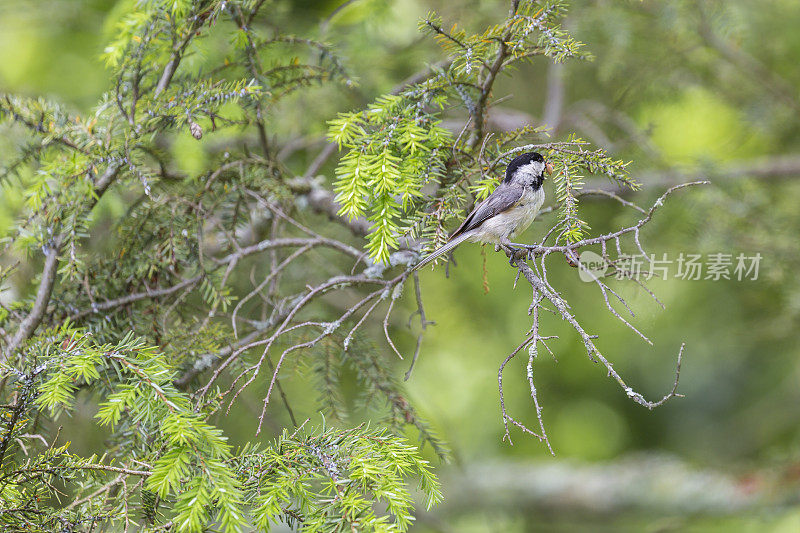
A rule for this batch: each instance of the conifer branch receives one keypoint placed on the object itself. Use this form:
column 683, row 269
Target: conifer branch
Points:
column 43, row 294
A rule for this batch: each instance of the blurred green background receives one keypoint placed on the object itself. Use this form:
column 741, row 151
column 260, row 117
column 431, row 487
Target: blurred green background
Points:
column 684, row 90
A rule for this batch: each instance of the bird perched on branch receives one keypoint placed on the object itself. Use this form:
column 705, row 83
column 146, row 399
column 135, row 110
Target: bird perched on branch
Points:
column 507, row 212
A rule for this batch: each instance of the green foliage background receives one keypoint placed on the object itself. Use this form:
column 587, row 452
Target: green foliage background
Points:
column 695, row 109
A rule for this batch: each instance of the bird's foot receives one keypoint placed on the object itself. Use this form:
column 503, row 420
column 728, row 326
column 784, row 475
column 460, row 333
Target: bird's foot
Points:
column 514, row 253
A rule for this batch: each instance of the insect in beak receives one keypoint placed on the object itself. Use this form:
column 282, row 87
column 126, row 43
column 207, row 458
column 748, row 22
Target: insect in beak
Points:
column 549, row 168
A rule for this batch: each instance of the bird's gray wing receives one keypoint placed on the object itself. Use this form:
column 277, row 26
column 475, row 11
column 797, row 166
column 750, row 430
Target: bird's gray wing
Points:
column 504, row 197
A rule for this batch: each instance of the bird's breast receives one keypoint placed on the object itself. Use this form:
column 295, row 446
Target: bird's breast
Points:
column 525, row 211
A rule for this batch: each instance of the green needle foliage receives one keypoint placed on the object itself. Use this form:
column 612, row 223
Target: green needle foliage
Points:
column 394, row 148
column 330, row 480
column 193, row 470
column 317, row 482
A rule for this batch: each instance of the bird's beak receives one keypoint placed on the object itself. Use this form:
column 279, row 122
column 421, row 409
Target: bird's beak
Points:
column 549, row 168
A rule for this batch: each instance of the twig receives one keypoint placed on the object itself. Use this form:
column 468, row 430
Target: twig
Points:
column 131, row 298
column 34, row 318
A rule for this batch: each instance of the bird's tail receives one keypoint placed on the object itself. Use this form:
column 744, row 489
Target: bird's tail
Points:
column 443, row 250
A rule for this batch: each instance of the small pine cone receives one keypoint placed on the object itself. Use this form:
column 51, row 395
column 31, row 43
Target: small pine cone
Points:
column 197, row 131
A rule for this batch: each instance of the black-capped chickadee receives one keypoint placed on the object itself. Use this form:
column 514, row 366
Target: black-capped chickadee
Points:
column 508, row 211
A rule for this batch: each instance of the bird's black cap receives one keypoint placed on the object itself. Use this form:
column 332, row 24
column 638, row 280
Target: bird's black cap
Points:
column 521, row 160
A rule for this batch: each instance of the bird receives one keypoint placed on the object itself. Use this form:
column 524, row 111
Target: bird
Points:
column 507, row 212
